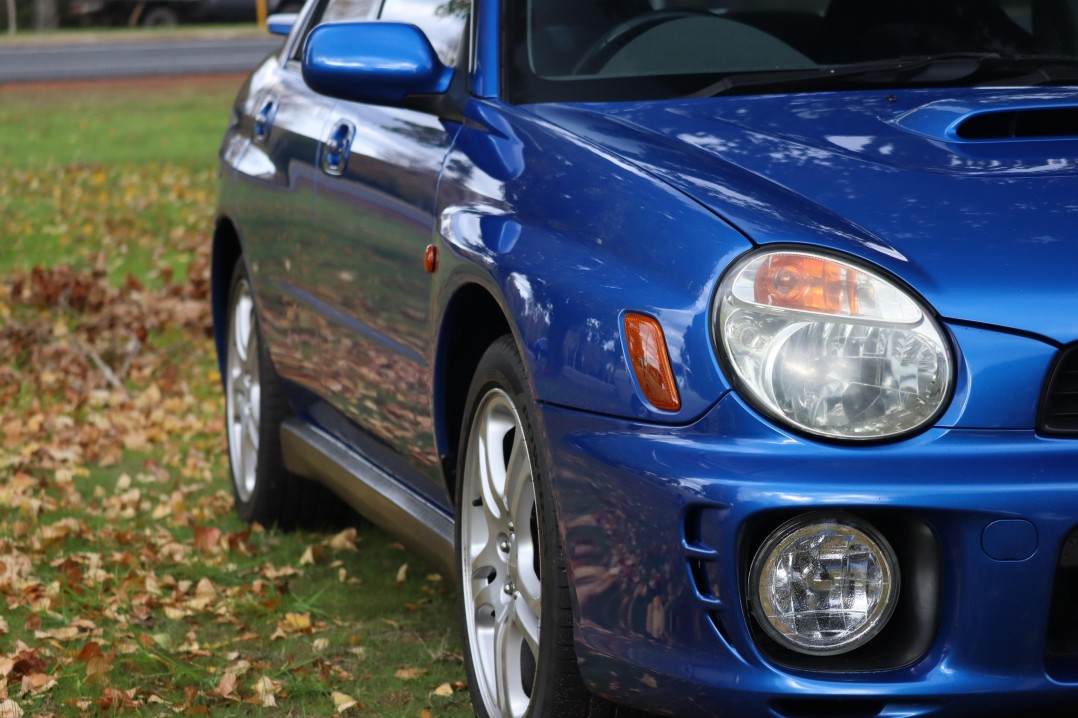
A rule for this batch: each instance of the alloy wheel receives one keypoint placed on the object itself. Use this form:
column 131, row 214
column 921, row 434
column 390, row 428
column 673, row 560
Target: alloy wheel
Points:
column 243, row 392
column 500, row 556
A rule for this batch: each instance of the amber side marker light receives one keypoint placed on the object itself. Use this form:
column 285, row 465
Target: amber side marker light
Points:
column 651, row 361
column 430, row 259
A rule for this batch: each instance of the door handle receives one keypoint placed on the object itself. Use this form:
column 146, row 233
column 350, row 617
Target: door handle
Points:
column 338, row 148
column 264, row 120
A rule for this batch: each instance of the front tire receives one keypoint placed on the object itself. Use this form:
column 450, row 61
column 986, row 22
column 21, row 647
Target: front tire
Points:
column 514, row 598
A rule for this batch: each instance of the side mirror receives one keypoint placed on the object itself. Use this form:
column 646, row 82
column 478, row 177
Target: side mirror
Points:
column 377, row 62
column 281, row 23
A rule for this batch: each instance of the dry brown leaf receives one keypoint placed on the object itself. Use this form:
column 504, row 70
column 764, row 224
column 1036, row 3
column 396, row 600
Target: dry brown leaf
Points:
column 113, row 699
column 344, row 541
column 409, row 674
column 10, row 709
column 343, row 702
column 402, row 573
column 310, row 556
column 226, row 687
column 207, row 538
column 444, row 691
column 36, row 683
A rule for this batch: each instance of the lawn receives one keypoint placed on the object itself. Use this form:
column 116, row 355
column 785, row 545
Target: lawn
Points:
column 129, row 584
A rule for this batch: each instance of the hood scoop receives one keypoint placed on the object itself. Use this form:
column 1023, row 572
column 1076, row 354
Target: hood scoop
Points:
column 994, row 119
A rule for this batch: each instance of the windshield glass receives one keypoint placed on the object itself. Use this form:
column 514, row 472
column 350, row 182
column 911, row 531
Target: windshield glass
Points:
column 564, row 50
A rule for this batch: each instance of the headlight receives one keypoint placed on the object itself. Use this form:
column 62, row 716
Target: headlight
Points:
column 823, row 585
column 829, row 347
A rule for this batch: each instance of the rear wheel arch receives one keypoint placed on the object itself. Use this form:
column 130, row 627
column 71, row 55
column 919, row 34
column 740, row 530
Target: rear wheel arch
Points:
column 226, row 251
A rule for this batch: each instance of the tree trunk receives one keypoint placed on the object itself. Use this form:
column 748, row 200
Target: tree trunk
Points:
column 11, row 24
column 46, row 15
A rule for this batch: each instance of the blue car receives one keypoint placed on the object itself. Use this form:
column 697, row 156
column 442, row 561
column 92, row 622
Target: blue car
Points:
column 725, row 351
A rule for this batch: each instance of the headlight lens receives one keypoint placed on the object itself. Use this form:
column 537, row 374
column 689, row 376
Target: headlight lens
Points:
column 831, row 348
column 823, row 585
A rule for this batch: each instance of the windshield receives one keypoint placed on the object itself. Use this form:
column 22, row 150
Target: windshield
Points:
column 563, row 50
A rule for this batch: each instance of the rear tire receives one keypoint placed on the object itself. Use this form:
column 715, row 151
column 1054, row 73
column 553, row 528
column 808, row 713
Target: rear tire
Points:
column 512, row 581
column 255, row 406
column 160, row 16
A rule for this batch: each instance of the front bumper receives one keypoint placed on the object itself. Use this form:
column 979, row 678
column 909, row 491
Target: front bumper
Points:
column 659, row 525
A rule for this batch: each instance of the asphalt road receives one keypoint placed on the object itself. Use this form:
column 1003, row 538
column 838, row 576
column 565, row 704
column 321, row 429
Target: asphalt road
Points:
column 160, row 56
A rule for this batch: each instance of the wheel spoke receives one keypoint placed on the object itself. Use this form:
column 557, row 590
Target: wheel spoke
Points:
column 507, row 660
column 527, row 581
column 246, row 459
column 254, row 398
column 241, row 325
column 518, row 482
column 528, row 623
column 485, row 555
column 490, row 595
column 493, row 466
column 250, row 431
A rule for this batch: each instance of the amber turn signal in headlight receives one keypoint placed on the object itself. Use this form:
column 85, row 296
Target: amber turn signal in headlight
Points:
column 651, row 362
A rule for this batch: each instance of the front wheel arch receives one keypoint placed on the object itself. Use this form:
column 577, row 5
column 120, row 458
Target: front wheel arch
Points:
column 472, row 321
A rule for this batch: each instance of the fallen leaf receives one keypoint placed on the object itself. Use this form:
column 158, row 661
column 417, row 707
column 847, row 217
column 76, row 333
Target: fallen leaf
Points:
column 343, row 701
column 409, row 674
column 443, row 691
column 344, row 541
column 10, row 709
column 36, row 683
column 310, row 556
column 226, row 687
column 402, row 573
column 206, row 538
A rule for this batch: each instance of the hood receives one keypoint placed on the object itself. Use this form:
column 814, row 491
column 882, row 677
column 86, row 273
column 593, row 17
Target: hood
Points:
column 971, row 200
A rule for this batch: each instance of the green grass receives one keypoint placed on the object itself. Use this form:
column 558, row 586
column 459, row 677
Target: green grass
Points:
column 125, row 568
column 112, row 124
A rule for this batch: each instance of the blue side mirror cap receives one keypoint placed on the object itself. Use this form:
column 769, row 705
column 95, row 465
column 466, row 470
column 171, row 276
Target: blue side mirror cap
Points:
column 281, row 23
column 376, row 62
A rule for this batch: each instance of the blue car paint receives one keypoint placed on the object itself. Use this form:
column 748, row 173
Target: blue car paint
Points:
column 330, row 62
column 570, row 214
column 632, row 480
column 569, row 320
column 955, row 222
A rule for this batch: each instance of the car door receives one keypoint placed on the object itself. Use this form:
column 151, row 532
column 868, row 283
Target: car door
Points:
column 364, row 263
column 283, row 125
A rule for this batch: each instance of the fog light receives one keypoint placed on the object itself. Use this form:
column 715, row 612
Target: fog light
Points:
column 823, row 584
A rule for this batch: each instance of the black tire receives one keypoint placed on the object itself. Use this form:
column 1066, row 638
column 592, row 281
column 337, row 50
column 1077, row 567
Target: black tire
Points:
column 160, row 16
column 498, row 397
column 265, row 492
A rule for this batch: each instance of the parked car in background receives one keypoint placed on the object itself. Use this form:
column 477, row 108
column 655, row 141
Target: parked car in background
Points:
column 726, row 351
column 159, row 13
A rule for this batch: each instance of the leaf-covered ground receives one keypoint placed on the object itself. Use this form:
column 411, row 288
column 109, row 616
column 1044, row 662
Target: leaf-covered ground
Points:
column 129, row 586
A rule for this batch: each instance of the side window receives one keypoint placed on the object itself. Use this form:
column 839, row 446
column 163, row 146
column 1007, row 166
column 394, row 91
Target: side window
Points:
column 335, row 11
column 443, row 22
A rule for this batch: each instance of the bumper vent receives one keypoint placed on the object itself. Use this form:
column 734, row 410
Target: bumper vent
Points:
column 1059, row 405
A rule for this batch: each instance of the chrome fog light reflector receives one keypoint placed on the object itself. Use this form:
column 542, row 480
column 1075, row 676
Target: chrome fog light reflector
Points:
column 823, row 584
column 830, row 347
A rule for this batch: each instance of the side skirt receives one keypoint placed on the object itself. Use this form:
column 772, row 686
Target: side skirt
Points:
column 314, row 454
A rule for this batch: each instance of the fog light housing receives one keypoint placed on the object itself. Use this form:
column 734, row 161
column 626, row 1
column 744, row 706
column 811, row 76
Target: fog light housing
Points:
column 823, row 584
